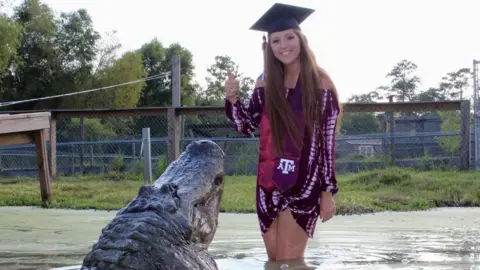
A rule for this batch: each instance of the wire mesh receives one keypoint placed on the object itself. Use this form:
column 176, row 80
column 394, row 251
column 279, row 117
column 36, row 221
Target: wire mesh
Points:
column 241, row 151
column 422, row 140
column 103, row 144
column 476, row 116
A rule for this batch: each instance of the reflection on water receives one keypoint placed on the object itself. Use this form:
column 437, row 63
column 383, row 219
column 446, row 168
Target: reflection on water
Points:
column 32, row 238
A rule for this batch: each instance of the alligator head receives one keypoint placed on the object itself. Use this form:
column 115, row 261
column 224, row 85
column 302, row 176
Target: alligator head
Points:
column 197, row 180
column 170, row 224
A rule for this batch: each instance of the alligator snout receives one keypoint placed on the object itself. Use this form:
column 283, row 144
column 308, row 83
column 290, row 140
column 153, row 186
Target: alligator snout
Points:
column 205, row 147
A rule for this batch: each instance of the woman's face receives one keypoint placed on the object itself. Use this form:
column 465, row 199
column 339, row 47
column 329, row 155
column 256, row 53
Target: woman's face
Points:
column 285, row 46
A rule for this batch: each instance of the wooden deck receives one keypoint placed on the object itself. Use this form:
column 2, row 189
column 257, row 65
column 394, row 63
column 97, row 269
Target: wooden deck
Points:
column 26, row 128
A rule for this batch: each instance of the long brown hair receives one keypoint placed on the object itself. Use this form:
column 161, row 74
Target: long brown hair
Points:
column 312, row 79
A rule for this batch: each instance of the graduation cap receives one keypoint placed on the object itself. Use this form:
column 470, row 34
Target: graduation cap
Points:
column 281, row 17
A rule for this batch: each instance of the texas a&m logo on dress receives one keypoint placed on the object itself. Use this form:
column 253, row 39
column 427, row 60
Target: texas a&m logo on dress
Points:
column 286, row 165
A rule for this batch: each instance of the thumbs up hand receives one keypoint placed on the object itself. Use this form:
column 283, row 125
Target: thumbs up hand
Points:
column 231, row 88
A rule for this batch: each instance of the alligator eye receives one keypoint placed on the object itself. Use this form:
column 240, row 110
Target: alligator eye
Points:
column 198, row 204
column 218, row 180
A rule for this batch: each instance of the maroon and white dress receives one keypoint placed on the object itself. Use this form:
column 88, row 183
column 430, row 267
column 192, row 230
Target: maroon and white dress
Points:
column 277, row 189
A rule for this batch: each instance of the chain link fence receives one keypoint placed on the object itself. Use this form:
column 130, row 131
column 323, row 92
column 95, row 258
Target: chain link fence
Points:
column 476, row 115
column 425, row 140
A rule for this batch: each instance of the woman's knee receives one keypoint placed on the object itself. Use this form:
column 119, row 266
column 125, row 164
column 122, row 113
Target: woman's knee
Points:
column 270, row 240
column 291, row 238
column 290, row 251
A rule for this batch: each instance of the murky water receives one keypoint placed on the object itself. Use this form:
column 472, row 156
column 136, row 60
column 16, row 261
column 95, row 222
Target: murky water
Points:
column 447, row 238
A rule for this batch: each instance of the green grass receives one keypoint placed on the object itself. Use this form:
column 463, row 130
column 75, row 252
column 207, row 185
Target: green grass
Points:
column 394, row 189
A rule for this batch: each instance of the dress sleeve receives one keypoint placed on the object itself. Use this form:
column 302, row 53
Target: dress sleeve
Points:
column 246, row 119
column 330, row 110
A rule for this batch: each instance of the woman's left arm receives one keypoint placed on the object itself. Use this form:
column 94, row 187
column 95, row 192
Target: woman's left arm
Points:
column 331, row 111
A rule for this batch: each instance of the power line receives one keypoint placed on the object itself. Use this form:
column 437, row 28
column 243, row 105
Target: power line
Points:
column 154, row 77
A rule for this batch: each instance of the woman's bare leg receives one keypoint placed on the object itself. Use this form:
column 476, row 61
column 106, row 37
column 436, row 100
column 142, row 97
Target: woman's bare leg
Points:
column 270, row 240
column 291, row 238
column 292, row 264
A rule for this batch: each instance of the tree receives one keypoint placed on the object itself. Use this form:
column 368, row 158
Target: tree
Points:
column 186, row 70
column 153, row 54
column 9, row 41
column 107, row 49
column 404, row 83
column 125, row 69
column 360, row 123
column 455, row 83
column 128, row 68
column 75, row 48
column 156, row 60
column 64, row 54
column 76, row 39
column 452, row 86
column 370, row 97
column 36, row 53
column 451, row 121
column 432, row 94
column 215, row 91
column 9, row 44
column 55, row 55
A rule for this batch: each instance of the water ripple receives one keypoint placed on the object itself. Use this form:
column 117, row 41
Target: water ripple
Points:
column 445, row 239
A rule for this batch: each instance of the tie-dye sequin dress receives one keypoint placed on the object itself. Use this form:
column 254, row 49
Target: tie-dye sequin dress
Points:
column 316, row 172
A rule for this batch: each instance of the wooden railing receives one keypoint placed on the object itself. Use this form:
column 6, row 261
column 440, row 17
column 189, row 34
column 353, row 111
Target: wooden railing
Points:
column 174, row 114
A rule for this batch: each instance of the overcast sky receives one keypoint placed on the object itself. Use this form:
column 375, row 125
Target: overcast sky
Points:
column 356, row 41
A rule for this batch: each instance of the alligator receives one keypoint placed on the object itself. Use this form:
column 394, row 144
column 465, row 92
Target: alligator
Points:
column 169, row 224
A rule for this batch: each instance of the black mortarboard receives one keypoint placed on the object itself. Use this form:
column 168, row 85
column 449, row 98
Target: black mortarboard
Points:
column 281, row 17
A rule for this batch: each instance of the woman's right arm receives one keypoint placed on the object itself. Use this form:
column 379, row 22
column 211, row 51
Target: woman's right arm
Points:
column 246, row 119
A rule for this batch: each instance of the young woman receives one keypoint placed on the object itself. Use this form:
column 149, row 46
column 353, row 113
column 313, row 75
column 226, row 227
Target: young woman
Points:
column 297, row 113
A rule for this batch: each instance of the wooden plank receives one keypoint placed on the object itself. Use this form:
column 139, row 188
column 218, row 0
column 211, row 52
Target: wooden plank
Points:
column 42, row 163
column 401, row 106
column 53, row 147
column 352, row 107
column 25, row 115
column 113, row 113
column 19, row 138
column 141, row 111
column 200, row 110
column 154, row 111
column 19, row 123
column 16, row 138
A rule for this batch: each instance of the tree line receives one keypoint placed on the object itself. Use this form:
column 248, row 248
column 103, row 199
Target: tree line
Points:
column 405, row 86
column 43, row 55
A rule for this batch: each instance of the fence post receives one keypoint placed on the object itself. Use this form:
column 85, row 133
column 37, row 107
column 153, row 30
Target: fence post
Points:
column 82, row 138
column 176, row 81
column 475, row 113
column 147, row 156
column 465, row 143
column 53, row 146
column 391, row 132
column 173, row 114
